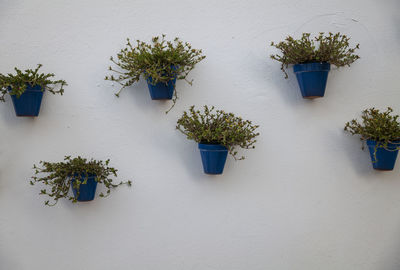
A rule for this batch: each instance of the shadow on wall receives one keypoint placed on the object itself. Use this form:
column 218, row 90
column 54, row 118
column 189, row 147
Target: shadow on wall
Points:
column 140, row 96
column 288, row 88
column 138, row 93
column 12, row 120
column 8, row 113
column 191, row 160
column 189, row 156
column 360, row 159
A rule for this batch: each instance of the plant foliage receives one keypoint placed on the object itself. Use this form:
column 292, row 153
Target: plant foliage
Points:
column 160, row 60
column 17, row 84
column 218, row 127
column 375, row 125
column 60, row 174
column 332, row 48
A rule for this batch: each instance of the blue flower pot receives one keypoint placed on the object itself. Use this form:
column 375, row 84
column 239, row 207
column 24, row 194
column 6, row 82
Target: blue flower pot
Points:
column 160, row 90
column 28, row 104
column 86, row 191
column 312, row 78
column 385, row 158
column 213, row 157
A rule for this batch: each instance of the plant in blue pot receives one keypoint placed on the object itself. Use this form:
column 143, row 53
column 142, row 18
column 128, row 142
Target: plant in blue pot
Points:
column 217, row 134
column 381, row 132
column 160, row 62
column 79, row 174
column 312, row 59
column 26, row 89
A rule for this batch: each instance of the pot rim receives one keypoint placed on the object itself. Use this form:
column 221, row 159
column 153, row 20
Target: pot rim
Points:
column 30, row 88
column 373, row 142
column 312, row 66
column 212, row 147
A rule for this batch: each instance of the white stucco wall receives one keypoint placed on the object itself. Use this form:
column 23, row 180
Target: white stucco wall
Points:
column 306, row 198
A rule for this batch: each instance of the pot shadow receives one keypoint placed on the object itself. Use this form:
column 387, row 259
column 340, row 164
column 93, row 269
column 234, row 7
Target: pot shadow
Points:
column 10, row 118
column 348, row 150
column 360, row 158
column 192, row 163
column 140, row 94
column 82, row 207
column 188, row 153
column 288, row 88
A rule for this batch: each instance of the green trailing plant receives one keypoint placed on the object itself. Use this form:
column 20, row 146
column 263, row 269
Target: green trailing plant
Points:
column 58, row 176
column 382, row 127
column 160, row 60
column 332, row 48
column 17, row 84
column 218, row 127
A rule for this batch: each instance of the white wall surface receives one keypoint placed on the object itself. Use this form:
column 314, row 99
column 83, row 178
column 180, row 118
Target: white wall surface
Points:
column 306, row 198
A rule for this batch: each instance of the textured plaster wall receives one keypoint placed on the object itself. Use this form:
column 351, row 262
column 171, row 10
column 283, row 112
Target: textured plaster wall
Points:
column 306, row 198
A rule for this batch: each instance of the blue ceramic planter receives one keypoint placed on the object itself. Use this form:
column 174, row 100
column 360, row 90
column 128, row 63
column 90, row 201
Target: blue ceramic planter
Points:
column 213, row 157
column 28, row 104
column 385, row 158
column 160, row 90
column 312, row 78
column 86, row 191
